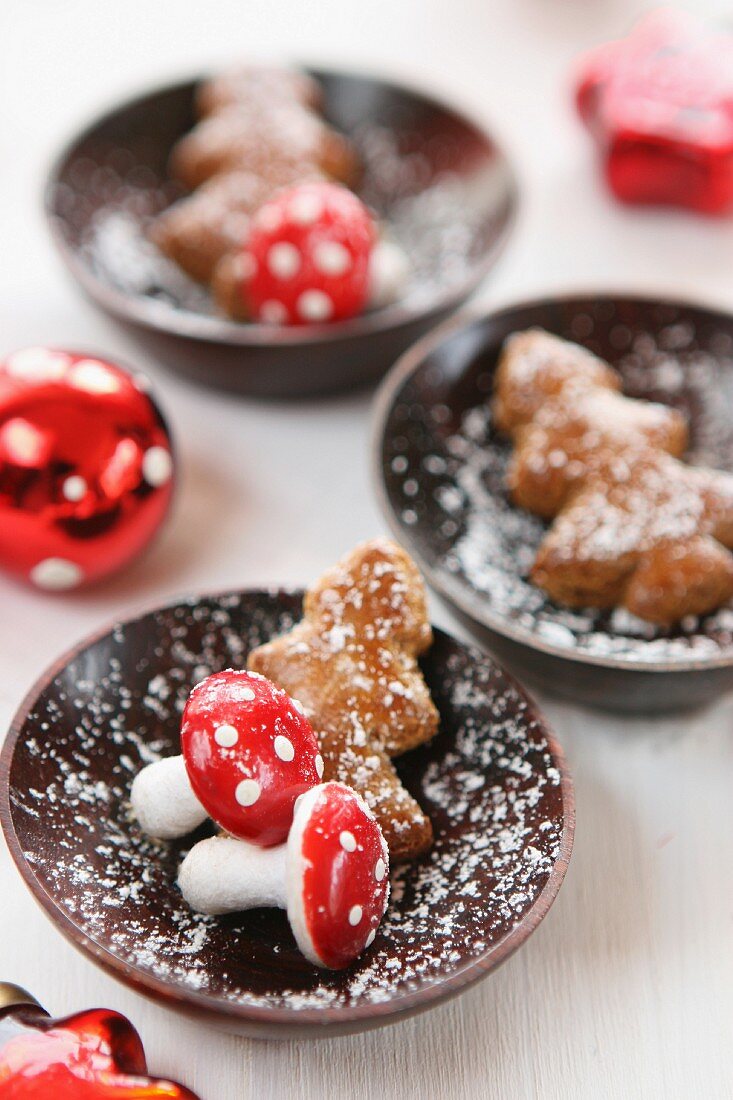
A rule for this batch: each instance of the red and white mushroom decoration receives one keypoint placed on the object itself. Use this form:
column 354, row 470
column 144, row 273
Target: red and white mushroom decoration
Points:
column 248, row 753
column 332, row 876
column 307, row 256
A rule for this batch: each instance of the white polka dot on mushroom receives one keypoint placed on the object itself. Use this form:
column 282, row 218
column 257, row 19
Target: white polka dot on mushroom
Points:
column 226, row 736
column 74, row 488
column 247, row 694
column 347, row 841
column 283, row 260
column 247, row 792
column 247, row 265
column 306, row 208
column 355, row 914
column 315, row 305
column 319, row 766
column 370, row 938
column 331, row 258
column 269, row 218
column 157, row 466
column 273, row 312
column 380, row 870
column 284, row 748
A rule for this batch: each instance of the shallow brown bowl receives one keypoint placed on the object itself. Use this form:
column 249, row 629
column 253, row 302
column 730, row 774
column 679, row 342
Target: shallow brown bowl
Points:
column 493, row 781
column 440, row 182
column 440, row 474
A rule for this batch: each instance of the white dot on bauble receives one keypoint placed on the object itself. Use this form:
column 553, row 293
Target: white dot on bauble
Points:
column 56, row 574
column 355, row 914
column 74, row 488
column 248, row 694
column 247, row 792
column 319, row 766
column 380, row 870
column 157, row 466
column 284, row 748
column 226, row 736
column 315, row 305
column 370, row 938
column 347, row 841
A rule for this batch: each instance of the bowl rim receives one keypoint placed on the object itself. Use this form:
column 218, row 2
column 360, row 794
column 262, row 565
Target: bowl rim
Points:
column 159, row 317
column 410, row 364
column 288, row 1021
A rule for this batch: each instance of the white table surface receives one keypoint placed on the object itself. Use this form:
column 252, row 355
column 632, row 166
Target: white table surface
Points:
column 627, row 988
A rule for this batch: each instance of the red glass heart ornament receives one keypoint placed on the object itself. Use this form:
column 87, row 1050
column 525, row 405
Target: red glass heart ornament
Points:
column 94, row 1055
column 86, row 467
column 659, row 104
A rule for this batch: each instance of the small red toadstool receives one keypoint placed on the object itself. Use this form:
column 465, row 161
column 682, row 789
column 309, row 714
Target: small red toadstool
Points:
column 331, row 876
column 307, row 257
column 249, row 753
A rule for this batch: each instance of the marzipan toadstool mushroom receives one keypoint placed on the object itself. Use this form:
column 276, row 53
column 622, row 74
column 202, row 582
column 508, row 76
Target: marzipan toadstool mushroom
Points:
column 331, row 876
column 248, row 753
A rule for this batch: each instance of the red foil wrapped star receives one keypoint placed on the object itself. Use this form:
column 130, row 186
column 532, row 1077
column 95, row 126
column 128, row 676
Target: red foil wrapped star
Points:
column 659, row 104
column 86, row 467
column 94, row 1055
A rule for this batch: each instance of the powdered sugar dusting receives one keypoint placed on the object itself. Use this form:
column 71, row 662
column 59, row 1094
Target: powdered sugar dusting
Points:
column 447, row 480
column 489, row 781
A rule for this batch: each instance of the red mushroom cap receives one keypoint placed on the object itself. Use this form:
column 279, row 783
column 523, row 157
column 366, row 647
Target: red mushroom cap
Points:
column 249, row 753
column 307, row 256
column 338, row 875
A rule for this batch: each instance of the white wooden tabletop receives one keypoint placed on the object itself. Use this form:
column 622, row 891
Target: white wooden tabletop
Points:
column 627, row 988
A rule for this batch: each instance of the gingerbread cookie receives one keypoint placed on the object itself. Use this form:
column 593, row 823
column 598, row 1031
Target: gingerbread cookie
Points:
column 634, row 527
column 568, row 419
column 199, row 230
column 645, row 535
column 259, row 84
column 261, row 142
column 352, row 663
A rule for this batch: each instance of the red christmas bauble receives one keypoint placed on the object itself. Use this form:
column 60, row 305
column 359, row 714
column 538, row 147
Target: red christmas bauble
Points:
column 86, row 467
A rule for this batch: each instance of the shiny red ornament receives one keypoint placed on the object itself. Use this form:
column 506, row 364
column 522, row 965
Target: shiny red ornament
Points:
column 86, row 467
column 660, row 107
column 94, row 1055
column 307, row 256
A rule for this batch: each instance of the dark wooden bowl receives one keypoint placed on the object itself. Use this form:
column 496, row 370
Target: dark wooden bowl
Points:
column 442, row 184
column 440, row 476
column 494, row 782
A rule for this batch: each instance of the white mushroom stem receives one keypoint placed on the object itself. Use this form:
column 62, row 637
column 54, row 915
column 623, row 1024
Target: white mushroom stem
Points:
column 163, row 802
column 225, row 875
column 389, row 271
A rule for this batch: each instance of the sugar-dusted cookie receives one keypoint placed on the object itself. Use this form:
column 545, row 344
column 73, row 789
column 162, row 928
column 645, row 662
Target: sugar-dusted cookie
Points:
column 198, row 231
column 568, row 421
column 352, row 663
column 646, row 535
column 260, row 84
column 260, row 141
column 634, row 527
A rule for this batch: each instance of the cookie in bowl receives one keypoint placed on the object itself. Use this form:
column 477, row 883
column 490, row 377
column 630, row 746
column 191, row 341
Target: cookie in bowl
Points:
column 633, row 526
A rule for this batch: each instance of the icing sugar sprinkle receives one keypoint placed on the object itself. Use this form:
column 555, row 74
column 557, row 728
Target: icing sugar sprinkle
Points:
column 488, row 545
column 488, row 781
